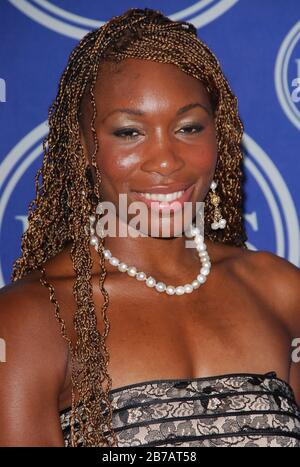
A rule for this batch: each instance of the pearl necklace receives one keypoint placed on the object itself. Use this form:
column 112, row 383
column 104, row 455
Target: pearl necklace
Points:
column 149, row 281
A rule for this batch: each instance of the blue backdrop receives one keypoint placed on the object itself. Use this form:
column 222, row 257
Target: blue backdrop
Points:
column 258, row 45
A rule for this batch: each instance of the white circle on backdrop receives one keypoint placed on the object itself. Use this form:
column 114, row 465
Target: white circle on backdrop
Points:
column 281, row 75
column 270, row 181
column 72, row 25
column 259, row 164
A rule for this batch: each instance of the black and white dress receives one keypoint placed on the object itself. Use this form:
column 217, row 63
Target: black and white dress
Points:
column 242, row 409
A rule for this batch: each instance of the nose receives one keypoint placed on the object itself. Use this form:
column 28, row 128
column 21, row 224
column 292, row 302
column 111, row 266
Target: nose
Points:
column 162, row 159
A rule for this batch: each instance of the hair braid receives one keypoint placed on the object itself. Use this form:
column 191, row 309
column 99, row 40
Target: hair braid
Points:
column 66, row 195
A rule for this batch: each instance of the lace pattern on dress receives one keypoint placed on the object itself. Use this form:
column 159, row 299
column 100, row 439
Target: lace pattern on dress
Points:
column 230, row 410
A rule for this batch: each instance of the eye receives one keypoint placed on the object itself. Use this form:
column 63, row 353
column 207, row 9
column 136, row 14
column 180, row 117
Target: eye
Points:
column 126, row 133
column 198, row 129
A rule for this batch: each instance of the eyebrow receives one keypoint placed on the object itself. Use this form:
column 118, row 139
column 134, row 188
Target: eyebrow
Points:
column 180, row 111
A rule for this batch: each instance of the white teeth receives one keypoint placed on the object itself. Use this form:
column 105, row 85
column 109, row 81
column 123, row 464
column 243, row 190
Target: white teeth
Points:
column 161, row 197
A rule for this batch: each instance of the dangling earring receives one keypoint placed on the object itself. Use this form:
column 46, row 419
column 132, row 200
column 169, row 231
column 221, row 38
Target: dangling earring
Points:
column 219, row 222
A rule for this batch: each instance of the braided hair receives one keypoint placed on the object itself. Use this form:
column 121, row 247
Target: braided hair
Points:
column 66, row 195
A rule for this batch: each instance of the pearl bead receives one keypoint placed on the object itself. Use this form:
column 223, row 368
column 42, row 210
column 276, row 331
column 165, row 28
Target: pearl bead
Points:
column 222, row 223
column 170, row 290
column 92, row 231
column 201, row 247
column 213, row 185
column 114, row 261
column 195, row 231
column 201, row 278
column 107, row 254
column 203, row 254
column 150, row 282
column 206, row 264
column 215, row 225
column 179, row 290
column 92, row 219
column 188, row 288
column 131, row 271
column 204, row 270
column 141, row 276
column 122, row 267
column 195, row 284
column 94, row 241
column 160, row 287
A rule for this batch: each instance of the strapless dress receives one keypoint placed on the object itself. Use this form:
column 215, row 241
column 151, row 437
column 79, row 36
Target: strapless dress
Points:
column 234, row 410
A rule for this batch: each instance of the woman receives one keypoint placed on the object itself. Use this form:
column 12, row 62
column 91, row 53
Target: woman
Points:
column 205, row 364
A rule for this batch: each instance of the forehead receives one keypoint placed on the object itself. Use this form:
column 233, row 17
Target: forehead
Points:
column 138, row 81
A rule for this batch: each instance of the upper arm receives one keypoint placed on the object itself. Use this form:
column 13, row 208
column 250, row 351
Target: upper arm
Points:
column 32, row 375
column 280, row 281
column 284, row 290
column 276, row 282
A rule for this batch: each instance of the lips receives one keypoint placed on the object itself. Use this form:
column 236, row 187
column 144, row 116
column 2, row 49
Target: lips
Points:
column 165, row 189
column 166, row 206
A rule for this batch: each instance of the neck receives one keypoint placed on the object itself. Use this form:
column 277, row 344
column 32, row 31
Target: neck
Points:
column 156, row 256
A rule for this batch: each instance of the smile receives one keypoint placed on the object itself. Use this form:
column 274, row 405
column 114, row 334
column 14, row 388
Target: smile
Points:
column 164, row 201
column 161, row 197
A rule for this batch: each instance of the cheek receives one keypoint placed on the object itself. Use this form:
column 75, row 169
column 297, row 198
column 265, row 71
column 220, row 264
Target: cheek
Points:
column 116, row 164
column 204, row 158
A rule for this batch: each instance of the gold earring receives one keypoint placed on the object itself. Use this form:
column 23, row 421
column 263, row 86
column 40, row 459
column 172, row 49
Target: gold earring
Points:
column 219, row 222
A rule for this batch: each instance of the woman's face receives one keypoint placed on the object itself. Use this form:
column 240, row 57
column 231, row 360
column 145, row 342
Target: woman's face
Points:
column 156, row 136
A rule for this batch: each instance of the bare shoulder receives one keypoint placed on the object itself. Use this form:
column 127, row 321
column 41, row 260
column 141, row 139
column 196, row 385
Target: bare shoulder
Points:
column 273, row 280
column 27, row 313
column 25, row 309
column 34, row 369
